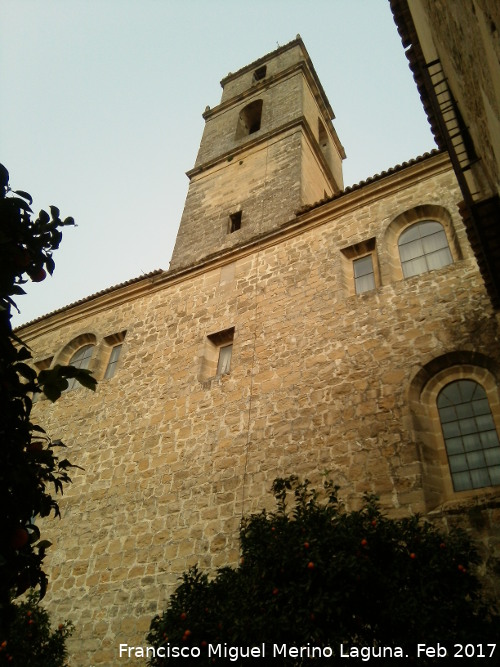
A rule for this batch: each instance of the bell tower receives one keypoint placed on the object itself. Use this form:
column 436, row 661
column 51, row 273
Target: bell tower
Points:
column 267, row 149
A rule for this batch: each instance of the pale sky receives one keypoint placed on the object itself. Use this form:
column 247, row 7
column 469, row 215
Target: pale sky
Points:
column 101, row 104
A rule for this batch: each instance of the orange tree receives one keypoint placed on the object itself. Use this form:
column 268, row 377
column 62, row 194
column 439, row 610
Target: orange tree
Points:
column 30, row 470
column 320, row 583
column 32, row 642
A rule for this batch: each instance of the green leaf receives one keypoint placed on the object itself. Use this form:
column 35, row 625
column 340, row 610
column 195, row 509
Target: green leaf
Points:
column 23, row 353
column 54, row 211
column 44, row 544
column 85, row 378
column 15, row 289
column 34, row 533
column 50, row 265
column 20, row 203
column 43, row 216
column 69, row 221
column 25, row 370
column 54, row 391
column 24, row 195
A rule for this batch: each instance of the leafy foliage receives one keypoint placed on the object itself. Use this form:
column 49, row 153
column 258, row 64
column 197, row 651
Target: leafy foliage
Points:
column 30, row 468
column 30, row 641
column 321, row 576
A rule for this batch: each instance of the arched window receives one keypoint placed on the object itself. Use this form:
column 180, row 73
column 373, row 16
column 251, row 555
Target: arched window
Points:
column 470, row 436
column 423, row 247
column 81, row 359
column 249, row 119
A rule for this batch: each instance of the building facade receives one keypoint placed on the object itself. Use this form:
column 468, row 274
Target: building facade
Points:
column 301, row 327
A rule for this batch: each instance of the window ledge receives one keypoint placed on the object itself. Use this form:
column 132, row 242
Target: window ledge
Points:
column 215, row 379
column 487, row 498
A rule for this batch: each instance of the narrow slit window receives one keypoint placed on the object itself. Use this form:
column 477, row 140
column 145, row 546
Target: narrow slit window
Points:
column 235, row 222
column 322, row 135
column 113, row 361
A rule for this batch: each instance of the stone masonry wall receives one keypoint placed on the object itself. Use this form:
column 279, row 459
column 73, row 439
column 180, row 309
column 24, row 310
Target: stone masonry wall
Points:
column 319, row 381
column 263, row 182
column 282, row 103
column 237, row 83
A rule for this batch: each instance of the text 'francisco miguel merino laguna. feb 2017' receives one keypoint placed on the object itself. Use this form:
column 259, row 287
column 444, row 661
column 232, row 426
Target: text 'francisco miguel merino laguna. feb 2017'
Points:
column 365, row 653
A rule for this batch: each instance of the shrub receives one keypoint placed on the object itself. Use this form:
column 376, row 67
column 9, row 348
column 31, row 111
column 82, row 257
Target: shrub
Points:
column 319, row 576
column 30, row 641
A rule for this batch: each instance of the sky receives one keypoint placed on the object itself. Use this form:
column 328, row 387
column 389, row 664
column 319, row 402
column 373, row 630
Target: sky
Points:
column 102, row 101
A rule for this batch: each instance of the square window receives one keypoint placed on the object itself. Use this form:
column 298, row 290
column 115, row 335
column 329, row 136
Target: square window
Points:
column 451, row 430
column 458, row 463
column 260, row 73
column 480, row 478
column 447, row 415
column 489, row 439
column 461, row 481
column 495, row 474
column 492, row 456
column 454, row 446
column 476, row 460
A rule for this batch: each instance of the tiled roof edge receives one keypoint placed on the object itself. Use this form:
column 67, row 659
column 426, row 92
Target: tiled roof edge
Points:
column 144, row 276
column 371, row 179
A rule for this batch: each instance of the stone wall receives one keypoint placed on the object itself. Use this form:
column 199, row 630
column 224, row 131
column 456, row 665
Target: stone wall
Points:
column 320, row 379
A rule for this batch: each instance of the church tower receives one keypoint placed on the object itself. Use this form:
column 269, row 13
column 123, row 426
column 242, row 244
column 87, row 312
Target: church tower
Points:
column 267, row 149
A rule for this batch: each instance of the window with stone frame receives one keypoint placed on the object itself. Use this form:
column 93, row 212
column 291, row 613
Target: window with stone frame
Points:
column 113, row 343
column 113, row 361
column 364, row 274
column 470, row 436
column 224, row 362
column 422, row 247
column 217, row 354
column 361, row 267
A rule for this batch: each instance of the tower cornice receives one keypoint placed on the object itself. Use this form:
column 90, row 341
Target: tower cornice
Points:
column 229, row 155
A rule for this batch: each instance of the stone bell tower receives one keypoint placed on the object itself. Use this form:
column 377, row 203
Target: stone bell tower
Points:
column 267, row 149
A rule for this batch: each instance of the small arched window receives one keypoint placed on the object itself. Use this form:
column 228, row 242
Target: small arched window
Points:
column 81, row 359
column 423, row 247
column 470, row 436
column 249, row 119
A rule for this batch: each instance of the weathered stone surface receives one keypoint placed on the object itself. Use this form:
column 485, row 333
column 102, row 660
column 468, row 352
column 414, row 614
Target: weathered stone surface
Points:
column 321, row 379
